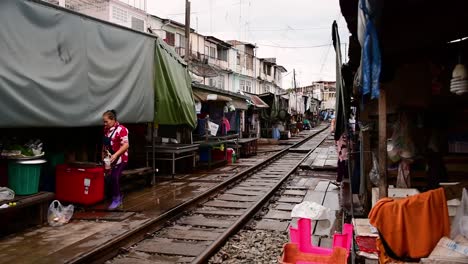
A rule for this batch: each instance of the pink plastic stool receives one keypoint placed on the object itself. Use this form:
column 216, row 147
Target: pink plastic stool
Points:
column 302, row 236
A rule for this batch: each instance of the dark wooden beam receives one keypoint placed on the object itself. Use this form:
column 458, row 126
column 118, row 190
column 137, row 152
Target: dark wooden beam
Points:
column 367, row 160
column 383, row 186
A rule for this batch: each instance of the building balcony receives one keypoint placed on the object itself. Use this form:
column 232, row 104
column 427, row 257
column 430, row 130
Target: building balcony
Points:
column 220, row 63
column 180, row 51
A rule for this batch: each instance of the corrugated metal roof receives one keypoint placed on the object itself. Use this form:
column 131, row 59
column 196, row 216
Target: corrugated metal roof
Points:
column 206, row 97
column 259, row 103
column 240, row 104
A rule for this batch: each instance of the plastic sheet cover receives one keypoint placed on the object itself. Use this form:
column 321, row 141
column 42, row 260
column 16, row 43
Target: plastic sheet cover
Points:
column 58, row 69
column 173, row 89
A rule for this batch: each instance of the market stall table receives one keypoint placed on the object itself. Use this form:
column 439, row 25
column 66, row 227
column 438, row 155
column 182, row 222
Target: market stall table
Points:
column 208, row 146
column 173, row 152
column 28, row 210
column 248, row 146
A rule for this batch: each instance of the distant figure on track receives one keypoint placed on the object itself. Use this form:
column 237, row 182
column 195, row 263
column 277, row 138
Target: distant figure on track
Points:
column 115, row 143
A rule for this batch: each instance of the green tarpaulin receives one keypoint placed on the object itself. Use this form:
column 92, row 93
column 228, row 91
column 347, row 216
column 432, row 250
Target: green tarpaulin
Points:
column 174, row 103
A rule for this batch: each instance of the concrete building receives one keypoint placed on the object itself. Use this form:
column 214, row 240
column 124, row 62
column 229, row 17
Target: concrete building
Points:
column 127, row 13
column 324, row 91
column 227, row 65
column 172, row 32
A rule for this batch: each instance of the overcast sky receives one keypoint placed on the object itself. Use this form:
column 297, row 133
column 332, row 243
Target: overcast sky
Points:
column 282, row 29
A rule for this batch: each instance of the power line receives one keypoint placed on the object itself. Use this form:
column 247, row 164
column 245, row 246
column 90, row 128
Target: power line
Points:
column 287, row 29
column 325, row 58
column 295, row 47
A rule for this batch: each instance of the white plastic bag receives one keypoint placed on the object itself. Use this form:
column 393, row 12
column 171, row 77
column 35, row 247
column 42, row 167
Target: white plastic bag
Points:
column 58, row 214
column 311, row 210
column 460, row 222
column 6, row 194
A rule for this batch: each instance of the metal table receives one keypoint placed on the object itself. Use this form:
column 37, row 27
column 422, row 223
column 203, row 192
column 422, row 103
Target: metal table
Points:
column 173, row 152
column 209, row 146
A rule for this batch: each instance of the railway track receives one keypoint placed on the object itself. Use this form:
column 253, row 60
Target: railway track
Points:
column 195, row 230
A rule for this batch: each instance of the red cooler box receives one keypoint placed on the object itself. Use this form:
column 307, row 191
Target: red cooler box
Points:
column 79, row 185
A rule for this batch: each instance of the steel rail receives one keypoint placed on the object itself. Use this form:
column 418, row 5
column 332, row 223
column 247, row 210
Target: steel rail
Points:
column 234, row 228
column 111, row 248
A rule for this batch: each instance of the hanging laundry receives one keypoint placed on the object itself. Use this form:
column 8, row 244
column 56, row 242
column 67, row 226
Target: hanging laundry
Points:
column 371, row 60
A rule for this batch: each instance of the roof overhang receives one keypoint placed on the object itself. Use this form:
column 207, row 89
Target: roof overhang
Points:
column 175, row 24
column 202, row 96
column 257, row 102
column 218, row 41
column 210, row 89
column 281, row 68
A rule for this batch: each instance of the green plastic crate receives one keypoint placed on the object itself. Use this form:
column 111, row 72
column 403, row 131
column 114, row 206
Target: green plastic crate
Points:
column 24, row 176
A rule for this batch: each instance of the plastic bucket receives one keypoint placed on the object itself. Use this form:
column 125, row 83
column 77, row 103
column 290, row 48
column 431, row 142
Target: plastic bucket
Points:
column 24, row 176
column 48, row 171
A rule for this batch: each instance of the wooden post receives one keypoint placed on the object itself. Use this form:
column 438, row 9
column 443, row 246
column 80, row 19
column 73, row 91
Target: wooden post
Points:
column 187, row 30
column 153, row 148
column 383, row 186
column 366, row 161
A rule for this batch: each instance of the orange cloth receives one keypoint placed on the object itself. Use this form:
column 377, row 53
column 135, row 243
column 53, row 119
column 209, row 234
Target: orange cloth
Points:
column 412, row 227
column 383, row 257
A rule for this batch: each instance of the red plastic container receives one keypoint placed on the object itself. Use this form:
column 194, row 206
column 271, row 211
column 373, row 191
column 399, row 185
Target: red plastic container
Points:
column 217, row 154
column 79, row 185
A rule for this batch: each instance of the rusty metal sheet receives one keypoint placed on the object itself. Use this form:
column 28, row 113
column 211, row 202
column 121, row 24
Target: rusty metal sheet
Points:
column 198, row 220
column 272, row 225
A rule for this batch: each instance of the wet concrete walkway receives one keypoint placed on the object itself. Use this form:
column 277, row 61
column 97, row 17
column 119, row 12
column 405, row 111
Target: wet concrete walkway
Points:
column 61, row 244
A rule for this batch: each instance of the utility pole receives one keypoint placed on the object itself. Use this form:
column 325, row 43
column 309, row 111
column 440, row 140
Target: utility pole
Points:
column 187, row 30
column 295, row 90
